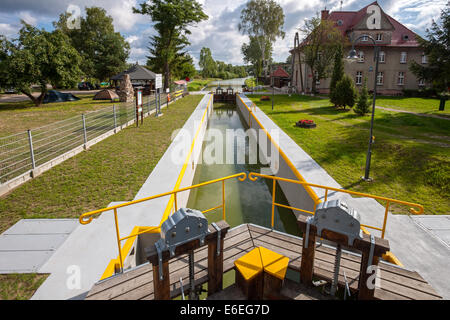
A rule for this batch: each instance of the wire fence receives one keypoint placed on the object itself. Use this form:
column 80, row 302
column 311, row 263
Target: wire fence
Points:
column 23, row 152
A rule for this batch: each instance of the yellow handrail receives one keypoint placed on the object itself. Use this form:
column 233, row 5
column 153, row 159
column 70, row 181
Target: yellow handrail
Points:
column 311, row 193
column 86, row 218
column 253, row 176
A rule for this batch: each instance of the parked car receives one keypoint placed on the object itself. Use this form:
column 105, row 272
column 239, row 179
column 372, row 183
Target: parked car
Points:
column 86, row 86
column 10, row 91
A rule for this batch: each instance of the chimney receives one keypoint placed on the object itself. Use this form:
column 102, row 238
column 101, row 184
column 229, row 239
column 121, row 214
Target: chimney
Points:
column 325, row 14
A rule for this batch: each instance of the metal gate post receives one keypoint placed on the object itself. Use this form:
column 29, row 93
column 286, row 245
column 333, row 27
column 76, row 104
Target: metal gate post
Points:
column 30, row 140
column 115, row 118
column 84, row 131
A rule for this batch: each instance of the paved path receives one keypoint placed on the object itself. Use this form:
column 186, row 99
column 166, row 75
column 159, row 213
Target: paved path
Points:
column 30, row 243
column 415, row 113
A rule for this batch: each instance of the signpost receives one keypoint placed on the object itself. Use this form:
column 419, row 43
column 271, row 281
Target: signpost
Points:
column 158, row 87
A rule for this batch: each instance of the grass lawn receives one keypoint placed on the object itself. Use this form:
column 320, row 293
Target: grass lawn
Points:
column 410, row 158
column 20, row 116
column 199, row 84
column 20, row 286
column 419, row 105
column 112, row 170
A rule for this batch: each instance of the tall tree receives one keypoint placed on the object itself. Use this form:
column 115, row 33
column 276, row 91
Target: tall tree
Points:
column 207, row 63
column 103, row 50
column 322, row 40
column 253, row 54
column 338, row 73
column 172, row 20
column 437, row 50
column 263, row 20
column 38, row 57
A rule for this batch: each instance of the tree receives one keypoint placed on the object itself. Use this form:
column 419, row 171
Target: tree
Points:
column 338, row 73
column 263, row 20
column 172, row 20
column 39, row 57
column 253, row 54
column 363, row 105
column 346, row 92
column 207, row 63
column 185, row 68
column 322, row 40
column 437, row 50
column 103, row 50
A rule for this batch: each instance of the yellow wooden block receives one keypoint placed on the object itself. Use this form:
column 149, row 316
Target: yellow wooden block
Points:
column 278, row 268
column 268, row 257
column 250, row 265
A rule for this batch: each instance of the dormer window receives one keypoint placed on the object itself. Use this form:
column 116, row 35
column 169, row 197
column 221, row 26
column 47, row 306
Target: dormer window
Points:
column 379, row 37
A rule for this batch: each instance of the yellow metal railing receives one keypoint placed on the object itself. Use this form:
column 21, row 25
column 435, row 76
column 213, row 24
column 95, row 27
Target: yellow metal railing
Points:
column 87, row 218
column 254, row 176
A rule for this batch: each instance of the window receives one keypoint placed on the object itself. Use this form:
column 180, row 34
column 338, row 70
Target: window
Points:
column 403, row 57
column 379, row 37
column 421, row 82
column 382, row 57
column 380, row 78
column 317, row 77
column 359, row 76
column 424, row 59
column 401, row 78
column 361, row 56
column 365, row 38
column 340, row 22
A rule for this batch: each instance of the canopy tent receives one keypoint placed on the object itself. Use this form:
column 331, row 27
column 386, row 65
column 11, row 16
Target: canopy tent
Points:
column 106, row 95
column 55, row 96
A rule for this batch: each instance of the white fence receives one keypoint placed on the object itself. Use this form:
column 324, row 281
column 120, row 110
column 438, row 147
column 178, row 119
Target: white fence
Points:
column 22, row 154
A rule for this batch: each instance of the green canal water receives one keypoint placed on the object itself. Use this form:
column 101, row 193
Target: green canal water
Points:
column 247, row 201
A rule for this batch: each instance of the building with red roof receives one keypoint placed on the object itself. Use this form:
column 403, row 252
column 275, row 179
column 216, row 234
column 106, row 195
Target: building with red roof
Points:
column 398, row 46
column 280, row 77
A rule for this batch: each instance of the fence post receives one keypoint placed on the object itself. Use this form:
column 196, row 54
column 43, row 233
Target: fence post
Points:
column 115, row 118
column 30, row 140
column 84, row 131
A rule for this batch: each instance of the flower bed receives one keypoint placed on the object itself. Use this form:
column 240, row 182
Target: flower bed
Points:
column 306, row 124
column 265, row 98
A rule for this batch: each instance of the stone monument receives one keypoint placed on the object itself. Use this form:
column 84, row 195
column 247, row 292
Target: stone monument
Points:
column 126, row 91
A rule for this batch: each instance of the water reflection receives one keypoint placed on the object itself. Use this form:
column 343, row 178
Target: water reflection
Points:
column 246, row 202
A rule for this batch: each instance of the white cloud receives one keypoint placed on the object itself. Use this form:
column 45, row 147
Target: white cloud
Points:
column 8, row 30
column 28, row 18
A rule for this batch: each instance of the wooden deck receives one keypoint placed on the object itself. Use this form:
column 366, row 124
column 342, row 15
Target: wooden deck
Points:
column 137, row 284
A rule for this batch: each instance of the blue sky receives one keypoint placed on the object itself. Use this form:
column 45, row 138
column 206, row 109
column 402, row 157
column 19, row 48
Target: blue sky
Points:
column 220, row 32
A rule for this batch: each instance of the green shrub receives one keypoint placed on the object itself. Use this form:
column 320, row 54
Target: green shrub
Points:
column 363, row 105
column 338, row 73
column 345, row 92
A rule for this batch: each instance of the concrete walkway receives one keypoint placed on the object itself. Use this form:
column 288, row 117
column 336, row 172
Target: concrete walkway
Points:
column 418, row 249
column 85, row 255
column 30, row 243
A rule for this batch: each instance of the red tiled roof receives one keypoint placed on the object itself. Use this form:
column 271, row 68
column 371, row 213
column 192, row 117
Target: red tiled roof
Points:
column 280, row 73
column 351, row 18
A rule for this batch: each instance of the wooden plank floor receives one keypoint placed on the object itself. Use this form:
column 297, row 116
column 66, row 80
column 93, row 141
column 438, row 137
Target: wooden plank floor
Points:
column 137, row 284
